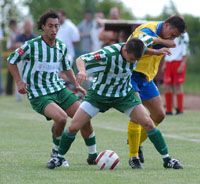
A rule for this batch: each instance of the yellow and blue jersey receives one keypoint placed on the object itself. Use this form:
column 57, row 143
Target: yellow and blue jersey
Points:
column 148, row 64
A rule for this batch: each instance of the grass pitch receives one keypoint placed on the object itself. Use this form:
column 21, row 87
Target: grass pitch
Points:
column 25, row 146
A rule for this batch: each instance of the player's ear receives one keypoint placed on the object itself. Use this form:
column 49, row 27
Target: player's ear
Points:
column 43, row 27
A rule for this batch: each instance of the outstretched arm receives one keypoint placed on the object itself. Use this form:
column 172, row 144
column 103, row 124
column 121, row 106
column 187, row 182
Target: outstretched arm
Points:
column 166, row 42
column 162, row 51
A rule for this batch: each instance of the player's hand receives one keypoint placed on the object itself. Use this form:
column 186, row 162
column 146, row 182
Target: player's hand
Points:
column 22, row 87
column 81, row 89
column 163, row 51
column 80, row 77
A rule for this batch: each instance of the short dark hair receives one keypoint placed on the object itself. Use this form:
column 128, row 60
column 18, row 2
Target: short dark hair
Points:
column 12, row 22
column 135, row 46
column 178, row 22
column 43, row 19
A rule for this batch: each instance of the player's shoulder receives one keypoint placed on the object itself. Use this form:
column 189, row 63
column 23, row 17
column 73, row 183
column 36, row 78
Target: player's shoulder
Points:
column 36, row 39
column 114, row 49
column 32, row 41
column 149, row 25
column 60, row 45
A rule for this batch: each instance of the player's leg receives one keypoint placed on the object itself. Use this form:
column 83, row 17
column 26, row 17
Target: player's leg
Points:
column 134, row 129
column 178, row 90
column 46, row 106
column 59, row 116
column 157, row 114
column 87, row 133
column 150, row 97
column 134, row 133
column 168, row 87
column 65, row 99
column 179, row 78
column 140, row 115
column 82, row 116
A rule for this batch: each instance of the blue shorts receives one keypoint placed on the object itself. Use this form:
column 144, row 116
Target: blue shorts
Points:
column 147, row 89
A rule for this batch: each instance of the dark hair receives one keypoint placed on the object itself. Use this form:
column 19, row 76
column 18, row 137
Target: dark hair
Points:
column 43, row 19
column 135, row 46
column 178, row 22
column 12, row 22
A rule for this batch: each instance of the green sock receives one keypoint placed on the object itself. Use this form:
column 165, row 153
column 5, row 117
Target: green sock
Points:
column 91, row 144
column 65, row 142
column 158, row 141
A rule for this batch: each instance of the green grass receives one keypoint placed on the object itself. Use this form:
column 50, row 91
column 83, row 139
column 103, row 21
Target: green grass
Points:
column 25, row 146
column 191, row 85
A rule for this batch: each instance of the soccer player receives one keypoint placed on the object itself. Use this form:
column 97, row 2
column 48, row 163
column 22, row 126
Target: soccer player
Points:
column 174, row 74
column 43, row 58
column 162, row 34
column 112, row 88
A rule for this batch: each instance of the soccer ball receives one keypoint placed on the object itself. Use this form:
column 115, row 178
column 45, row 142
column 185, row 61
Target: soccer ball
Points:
column 107, row 160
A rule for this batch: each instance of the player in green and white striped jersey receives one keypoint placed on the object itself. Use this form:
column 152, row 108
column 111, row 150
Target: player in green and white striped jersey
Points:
column 43, row 58
column 113, row 67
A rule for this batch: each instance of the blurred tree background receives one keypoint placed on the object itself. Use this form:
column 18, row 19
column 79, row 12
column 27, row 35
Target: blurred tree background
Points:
column 76, row 8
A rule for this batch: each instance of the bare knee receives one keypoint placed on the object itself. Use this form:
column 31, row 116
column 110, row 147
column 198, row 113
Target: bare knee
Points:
column 59, row 125
column 73, row 128
column 148, row 124
column 158, row 117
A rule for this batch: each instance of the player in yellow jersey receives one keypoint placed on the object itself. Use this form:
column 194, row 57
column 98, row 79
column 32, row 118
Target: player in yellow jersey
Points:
column 162, row 34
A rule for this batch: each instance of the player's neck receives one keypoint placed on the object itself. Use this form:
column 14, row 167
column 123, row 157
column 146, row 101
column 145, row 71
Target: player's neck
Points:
column 48, row 41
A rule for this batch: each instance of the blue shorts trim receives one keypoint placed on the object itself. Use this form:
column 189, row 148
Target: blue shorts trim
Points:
column 147, row 89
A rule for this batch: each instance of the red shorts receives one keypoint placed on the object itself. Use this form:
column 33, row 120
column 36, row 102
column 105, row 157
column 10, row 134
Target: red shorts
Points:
column 171, row 76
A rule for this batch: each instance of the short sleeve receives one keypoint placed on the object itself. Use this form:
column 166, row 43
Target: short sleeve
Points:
column 19, row 54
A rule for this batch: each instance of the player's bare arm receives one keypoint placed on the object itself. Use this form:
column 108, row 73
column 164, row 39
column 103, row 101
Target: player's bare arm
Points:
column 81, row 75
column 21, row 86
column 162, row 51
column 72, row 78
column 168, row 43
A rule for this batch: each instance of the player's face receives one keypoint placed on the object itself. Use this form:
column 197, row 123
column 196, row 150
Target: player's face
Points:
column 170, row 32
column 51, row 28
column 130, row 57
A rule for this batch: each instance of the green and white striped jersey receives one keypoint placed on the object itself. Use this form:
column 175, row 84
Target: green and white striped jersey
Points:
column 112, row 71
column 41, row 66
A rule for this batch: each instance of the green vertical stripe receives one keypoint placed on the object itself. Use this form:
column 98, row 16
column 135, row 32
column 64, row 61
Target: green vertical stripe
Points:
column 55, row 54
column 24, row 69
column 109, row 62
column 40, row 57
column 32, row 50
column 64, row 65
column 48, row 54
column 51, row 78
column 116, row 71
column 44, row 83
column 105, row 74
column 36, row 83
column 58, row 82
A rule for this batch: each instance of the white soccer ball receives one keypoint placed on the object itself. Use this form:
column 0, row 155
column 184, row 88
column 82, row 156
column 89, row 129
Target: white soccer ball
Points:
column 108, row 160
